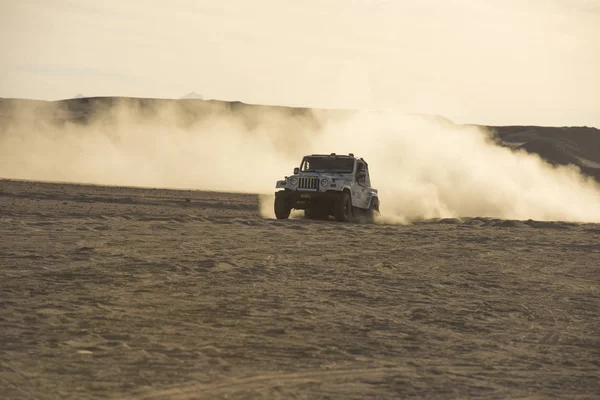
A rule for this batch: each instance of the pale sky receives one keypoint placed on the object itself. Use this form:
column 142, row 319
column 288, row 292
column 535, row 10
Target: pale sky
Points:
column 490, row 62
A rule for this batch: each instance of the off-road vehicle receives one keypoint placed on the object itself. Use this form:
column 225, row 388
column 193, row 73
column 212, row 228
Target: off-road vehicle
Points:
column 325, row 185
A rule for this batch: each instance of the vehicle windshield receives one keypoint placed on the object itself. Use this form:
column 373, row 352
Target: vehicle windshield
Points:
column 333, row 164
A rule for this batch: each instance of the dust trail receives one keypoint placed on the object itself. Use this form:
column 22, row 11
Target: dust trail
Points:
column 432, row 168
column 153, row 147
column 424, row 167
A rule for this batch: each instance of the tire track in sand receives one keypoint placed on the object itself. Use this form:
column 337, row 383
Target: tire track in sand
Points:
column 233, row 385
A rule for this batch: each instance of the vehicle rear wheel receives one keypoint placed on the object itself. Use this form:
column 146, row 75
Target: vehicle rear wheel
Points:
column 343, row 208
column 282, row 210
column 373, row 210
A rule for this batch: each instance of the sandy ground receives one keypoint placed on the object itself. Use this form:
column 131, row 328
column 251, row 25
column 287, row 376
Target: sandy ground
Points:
column 157, row 294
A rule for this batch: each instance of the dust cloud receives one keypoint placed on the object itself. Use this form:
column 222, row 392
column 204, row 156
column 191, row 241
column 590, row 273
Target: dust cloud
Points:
column 424, row 167
column 427, row 167
column 156, row 147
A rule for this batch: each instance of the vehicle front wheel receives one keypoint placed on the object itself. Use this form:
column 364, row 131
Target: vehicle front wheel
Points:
column 282, row 210
column 343, row 208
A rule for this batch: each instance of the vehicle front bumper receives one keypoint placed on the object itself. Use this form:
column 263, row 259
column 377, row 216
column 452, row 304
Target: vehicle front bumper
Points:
column 301, row 200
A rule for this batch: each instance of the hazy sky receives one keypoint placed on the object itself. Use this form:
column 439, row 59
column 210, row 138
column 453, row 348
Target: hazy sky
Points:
column 494, row 61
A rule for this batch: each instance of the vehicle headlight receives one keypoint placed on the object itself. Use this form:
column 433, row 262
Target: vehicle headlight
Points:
column 324, row 182
column 293, row 181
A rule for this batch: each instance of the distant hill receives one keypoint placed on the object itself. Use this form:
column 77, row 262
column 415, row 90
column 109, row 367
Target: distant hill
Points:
column 193, row 95
column 579, row 146
column 558, row 145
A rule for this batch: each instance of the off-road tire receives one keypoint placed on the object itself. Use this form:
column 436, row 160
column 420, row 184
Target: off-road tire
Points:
column 282, row 210
column 373, row 209
column 343, row 208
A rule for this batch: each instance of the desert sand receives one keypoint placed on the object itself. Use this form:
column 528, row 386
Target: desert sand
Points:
column 128, row 293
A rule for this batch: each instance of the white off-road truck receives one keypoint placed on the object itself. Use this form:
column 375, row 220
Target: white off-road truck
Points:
column 325, row 185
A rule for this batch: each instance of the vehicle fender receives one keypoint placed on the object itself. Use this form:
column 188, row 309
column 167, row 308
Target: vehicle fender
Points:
column 372, row 195
column 348, row 188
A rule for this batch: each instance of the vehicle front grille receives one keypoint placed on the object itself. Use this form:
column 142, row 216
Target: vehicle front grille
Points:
column 308, row 182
